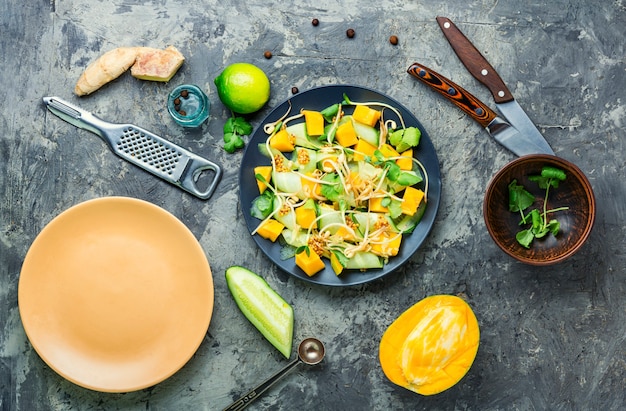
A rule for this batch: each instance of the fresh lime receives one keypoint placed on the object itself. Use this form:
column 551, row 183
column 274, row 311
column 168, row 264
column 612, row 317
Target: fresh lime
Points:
column 263, row 306
column 243, row 87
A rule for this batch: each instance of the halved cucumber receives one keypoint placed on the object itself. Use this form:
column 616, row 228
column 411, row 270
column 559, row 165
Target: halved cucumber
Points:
column 263, row 307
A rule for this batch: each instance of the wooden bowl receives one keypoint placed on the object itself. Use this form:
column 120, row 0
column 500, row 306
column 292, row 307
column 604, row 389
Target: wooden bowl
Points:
column 576, row 222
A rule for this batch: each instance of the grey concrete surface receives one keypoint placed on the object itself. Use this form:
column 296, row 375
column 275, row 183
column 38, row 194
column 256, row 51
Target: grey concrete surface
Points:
column 551, row 338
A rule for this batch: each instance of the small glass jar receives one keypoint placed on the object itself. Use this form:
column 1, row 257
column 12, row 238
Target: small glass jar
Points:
column 188, row 105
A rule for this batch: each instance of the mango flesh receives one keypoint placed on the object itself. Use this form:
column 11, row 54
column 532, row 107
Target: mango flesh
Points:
column 430, row 346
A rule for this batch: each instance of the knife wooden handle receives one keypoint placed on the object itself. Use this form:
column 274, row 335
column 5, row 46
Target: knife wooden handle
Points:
column 462, row 98
column 474, row 61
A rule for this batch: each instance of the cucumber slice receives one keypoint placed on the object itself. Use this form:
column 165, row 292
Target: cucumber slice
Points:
column 364, row 260
column 287, row 181
column 367, row 133
column 330, row 219
column 263, row 307
column 310, row 155
column 287, row 219
column 298, row 130
column 407, row 223
column 297, row 239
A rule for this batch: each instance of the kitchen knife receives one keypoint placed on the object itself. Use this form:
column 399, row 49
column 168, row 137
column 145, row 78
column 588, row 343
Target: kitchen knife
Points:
column 480, row 68
column 495, row 125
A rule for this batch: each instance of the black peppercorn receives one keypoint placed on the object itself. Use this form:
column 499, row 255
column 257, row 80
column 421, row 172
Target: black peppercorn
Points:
column 350, row 33
column 184, row 94
column 267, row 54
column 393, row 40
column 294, row 90
column 315, row 22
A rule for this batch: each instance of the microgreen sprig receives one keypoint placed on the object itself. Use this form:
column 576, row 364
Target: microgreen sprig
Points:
column 520, row 200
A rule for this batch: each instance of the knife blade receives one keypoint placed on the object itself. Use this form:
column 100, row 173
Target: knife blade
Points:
column 496, row 126
column 480, row 68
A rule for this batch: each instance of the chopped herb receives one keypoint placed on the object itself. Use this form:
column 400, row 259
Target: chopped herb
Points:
column 234, row 129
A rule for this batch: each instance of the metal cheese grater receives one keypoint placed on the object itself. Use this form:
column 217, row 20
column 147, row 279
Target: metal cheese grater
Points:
column 143, row 148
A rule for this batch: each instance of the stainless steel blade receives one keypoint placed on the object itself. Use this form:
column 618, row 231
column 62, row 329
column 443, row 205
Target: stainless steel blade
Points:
column 516, row 116
column 511, row 138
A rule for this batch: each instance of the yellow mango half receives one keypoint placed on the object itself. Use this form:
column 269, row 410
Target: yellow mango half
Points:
column 430, row 346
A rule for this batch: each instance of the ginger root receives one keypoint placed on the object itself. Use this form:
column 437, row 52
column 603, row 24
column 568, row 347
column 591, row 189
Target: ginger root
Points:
column 157, row 65
column 152, row 64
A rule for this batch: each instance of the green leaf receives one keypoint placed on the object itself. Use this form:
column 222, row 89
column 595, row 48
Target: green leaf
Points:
column 330, row 112
column 233, row 129
column 525, row 237
column 379, row 158
column 408, row 179
column 232, row 142
column 541, row 232
column 554, row 226
column 260, row 178
column 343, row 260
column 303, row 248
column 394, row 171
column 519, row 198
column 241, row 126
column 553, row 172
column 404, row 139
column 229, row 126
column 550, row 177
column 542, row 182
column 262, row 206
column 332, row 191
column 536, row 220
column 395, row 208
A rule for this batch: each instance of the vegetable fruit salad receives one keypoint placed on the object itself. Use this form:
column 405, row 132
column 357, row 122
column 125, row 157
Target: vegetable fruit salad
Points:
column 342, row 186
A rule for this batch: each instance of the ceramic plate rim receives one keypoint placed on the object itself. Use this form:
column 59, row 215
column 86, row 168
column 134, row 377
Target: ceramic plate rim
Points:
column 198, row 325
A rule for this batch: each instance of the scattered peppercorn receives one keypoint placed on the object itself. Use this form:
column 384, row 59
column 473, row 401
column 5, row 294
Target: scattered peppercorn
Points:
column 315, row 22
column 393, row 40
column 350, row 33
column 268, row 54
column 184, row 94
column 182, row 113
column 294, row 90
column 177, row 101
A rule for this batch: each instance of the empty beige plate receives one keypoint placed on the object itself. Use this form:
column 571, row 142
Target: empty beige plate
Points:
column 116, row 294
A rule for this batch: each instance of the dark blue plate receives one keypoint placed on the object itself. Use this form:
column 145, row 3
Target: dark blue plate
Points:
column 319, row 99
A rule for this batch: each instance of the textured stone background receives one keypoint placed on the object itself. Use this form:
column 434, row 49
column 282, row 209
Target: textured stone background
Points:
column 552, row 338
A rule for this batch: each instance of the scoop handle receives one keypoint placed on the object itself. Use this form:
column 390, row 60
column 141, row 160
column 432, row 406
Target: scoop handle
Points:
column 244, row 401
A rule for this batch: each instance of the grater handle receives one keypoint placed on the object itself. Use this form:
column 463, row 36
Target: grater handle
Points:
column 192, row 172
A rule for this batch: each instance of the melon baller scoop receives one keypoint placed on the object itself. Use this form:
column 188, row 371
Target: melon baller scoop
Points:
column 143, row 148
